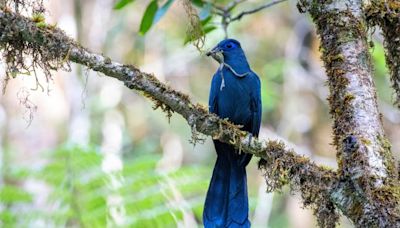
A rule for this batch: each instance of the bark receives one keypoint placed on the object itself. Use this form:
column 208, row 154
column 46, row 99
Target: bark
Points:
column 364, row 187
column 366, row 164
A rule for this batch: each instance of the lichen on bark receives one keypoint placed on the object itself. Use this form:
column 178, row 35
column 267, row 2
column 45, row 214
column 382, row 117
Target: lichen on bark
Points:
column 366, row 164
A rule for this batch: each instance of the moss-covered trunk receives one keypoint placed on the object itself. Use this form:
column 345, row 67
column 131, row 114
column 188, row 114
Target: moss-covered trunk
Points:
column 368, row 191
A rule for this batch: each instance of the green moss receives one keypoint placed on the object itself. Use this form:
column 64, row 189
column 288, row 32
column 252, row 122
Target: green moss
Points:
column 366, row 142
column 357, row 209
column 338, row 57
column 28, row 44
column 202, row 108
column 41, row 24
column 387, row 194
column 348, row 98
column 387, row 156
column 38, row 18
column 281, row 166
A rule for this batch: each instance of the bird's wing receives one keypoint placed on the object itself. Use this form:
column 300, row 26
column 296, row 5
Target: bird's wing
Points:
column 253, row 88
column 256, row 107
column 214, row 90
column 254, row 122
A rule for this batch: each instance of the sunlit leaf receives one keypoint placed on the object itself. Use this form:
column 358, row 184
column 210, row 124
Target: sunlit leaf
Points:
column 209, row 29
column 142, row 164
column 7, row 218
column 13, row 194
column 80, row 191
column 148, row 17
column 122, row 3
column 206, row 20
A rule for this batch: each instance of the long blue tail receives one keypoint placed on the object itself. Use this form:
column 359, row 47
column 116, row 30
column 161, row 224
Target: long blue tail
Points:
column 226, row 201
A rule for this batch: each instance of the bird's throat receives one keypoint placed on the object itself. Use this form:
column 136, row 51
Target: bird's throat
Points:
column 218, row 56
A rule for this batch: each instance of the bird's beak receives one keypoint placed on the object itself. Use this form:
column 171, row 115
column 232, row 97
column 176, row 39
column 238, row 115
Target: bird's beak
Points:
column 216, row 53
column 213, row 51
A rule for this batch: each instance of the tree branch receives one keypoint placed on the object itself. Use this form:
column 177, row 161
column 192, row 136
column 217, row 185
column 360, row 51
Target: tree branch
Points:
column 233, row 4
column 248, row 12
column 366, row 164
column 226, row 12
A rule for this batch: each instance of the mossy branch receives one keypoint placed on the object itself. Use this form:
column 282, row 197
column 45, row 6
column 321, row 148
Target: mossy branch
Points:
column 366, row 164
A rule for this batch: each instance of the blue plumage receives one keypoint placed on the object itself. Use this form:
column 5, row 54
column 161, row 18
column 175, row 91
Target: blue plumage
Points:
column 235, row 94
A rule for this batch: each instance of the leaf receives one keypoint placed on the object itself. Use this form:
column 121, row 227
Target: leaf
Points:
column 198, row 3
column 206, row 20
column 161, row 11
column 12, row 194
column 8, row 219
column 121, row 4
column 81, row 190
column 209, row 29
column 148, row 17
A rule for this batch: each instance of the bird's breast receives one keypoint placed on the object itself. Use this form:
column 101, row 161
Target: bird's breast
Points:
column 234, row 99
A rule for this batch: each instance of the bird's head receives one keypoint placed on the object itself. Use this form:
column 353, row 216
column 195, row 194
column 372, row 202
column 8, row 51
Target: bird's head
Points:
column 229, row 51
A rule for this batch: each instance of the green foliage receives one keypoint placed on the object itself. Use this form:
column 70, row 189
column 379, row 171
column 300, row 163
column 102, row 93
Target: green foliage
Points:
column 378, row 55
column 381, row 73
column 122, row 3
column 278, row 217
column 13, row 194
column 154, row 13
column 271, row 88
column 78, row 187
column 148, row 17
column 198, row 3
column 82, row 192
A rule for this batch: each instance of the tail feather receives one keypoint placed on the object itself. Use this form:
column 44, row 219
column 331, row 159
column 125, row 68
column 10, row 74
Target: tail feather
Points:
column 226, row 201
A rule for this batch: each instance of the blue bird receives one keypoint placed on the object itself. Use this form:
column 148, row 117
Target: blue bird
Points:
column 235, row 94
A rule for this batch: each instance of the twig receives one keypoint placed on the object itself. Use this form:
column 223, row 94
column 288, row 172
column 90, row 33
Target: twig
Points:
column 233, row 4
column 238, row 17
column 225, row 12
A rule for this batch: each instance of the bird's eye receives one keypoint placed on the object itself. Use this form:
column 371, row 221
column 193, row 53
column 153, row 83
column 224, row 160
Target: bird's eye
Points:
column 229, row 45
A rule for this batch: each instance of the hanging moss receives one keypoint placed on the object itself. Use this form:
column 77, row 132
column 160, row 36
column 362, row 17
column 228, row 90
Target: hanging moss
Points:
column 386, row 153
column 296, row 171
column 21, row 45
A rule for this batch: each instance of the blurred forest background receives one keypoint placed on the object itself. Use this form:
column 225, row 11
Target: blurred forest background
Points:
column 91, row 153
